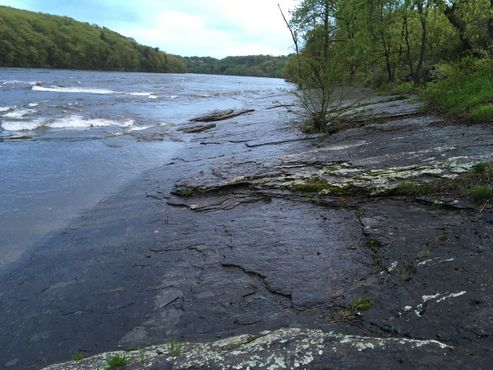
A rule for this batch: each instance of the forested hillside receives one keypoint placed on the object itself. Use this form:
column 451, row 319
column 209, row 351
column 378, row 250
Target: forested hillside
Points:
column 251, row 65
column 29, row 39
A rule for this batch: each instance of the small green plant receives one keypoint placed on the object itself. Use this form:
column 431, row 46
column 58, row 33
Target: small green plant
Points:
column 142, row 356
column 185, row 192
column 482, row 113
column 481, row 192
column 116, row 361
column 372, row 243
column 361, row 304
column 405, row 273
column 174, row 348
column 406, row 188
column 78, row 356
column 312, row 186
column 346, row 314
column 425, row 253
column 481, row 167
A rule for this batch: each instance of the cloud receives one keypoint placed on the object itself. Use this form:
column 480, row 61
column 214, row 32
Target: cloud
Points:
column 186, row 27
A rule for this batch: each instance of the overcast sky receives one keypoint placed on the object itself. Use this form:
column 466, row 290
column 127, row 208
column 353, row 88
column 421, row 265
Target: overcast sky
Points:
column 215, row 28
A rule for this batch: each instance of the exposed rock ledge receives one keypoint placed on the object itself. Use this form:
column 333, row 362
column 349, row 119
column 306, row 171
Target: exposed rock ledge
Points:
column 281, row 349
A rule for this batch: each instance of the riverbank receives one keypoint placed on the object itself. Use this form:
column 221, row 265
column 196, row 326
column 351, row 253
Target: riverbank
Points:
column 256, row 226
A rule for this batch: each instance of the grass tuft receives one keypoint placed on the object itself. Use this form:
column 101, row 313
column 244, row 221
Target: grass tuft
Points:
column 116, row 361
column 312, row 186
column 78, row 356
column 174, row 348
column 361, row 304
column 481, row 192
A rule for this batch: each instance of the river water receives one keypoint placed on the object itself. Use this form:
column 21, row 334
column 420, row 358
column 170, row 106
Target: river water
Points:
column 67, row 138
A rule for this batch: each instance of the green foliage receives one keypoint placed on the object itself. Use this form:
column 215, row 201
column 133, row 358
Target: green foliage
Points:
column 382, row 42
column 116, row 361
column 174, row 348
column 361, row 304
column 30, row 39
column 476, row 184
column 425, row 253
column 466, row 91
column 482, row 113
column 185, row 192
column 313, row 186
column 250, row 65
column 482, row 167
column 481, row 192
column 406, row 188
column 78, row 356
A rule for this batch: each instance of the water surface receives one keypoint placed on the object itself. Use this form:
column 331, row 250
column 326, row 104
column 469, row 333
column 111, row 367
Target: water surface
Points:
column 67, row 137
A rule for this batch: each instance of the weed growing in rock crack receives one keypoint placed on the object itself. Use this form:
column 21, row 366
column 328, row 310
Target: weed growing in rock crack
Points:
column 405, row 273
column 174, row 348
column 477, row 184
column 78, row 356
column 481, row 192
column 481, row 167
column 425, row 253
column 116, row 361
column 185, row 192
column 407, row 188
column 346, row 314
column 142, row 356
column 311, row 186
column 372, row 244
column 251, row 338
column 361, row 304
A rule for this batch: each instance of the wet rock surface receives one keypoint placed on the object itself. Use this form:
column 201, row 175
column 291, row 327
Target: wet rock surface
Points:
column 256, row 226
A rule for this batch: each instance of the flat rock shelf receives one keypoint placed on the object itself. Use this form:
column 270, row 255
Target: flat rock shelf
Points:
column 260, row 246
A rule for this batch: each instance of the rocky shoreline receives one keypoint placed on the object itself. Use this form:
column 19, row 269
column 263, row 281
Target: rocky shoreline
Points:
column 299, row 249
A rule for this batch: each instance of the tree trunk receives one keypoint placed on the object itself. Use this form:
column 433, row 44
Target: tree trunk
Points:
column 326, row 32
column 490, row 23
column 456, row 21
column 423, row 15
column 408, row 45
column 295, row 41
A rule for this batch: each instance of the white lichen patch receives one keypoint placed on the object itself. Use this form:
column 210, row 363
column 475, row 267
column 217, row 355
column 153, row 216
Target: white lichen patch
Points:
column 393, row 266
column 435, row 298
column 435, row 260
column 281, row 349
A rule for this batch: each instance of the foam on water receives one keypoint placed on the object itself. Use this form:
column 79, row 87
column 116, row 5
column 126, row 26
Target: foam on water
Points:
column 89, row 90
column 79, row 122
column 22, row 125
column 138, row 128
column 18, row 82
column 19, row 113
column 4, row 109
column 74, row 90
column 70, row 122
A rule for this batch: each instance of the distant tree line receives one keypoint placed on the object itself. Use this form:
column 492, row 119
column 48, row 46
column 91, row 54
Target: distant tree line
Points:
column 29, row 39
column 250, row 65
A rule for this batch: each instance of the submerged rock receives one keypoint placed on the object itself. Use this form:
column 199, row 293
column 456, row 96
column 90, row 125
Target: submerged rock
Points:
column 221, row 115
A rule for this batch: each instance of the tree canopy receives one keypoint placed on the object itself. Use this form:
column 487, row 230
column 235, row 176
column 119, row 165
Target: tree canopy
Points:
column 382, row 41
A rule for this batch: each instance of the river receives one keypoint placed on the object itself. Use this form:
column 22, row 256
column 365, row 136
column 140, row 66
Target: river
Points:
column 68, row 139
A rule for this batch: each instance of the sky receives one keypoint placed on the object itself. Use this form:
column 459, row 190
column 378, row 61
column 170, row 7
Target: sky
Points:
column 216, row 28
